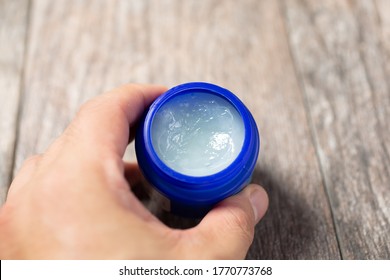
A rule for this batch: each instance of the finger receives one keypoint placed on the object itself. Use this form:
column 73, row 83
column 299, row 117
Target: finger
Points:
column 94, row 143
column 227, row 230
column 102, row 124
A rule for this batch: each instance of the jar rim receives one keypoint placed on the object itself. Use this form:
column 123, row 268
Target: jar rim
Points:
column 210, row 187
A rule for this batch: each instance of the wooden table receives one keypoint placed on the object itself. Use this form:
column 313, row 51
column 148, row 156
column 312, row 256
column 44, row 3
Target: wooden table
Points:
column 315, row 75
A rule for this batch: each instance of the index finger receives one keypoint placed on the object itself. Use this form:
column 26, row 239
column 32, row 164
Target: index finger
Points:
column 103, row 124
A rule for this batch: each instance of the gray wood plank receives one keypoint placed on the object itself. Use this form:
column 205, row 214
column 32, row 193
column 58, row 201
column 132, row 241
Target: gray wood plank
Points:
column 298, row 224
column 79, row 49
column 13, row 25
column 343, row 62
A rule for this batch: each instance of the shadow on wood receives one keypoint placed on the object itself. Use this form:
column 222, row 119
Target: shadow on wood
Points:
column 288, row 229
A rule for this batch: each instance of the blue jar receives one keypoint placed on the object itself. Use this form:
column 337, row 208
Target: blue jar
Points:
column 197, row 144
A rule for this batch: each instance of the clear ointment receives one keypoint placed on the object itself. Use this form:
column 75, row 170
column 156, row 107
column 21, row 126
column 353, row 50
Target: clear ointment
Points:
column 197, row 133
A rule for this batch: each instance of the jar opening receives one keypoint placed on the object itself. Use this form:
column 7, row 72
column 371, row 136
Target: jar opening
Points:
column 197, row 133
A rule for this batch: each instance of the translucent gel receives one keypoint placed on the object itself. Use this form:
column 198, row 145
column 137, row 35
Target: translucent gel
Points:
column 197, row 134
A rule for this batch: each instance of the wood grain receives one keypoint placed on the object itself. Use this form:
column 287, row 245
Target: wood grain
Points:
column 13, row 25
column 79, row 49
column 342, row 57
column 313, row 73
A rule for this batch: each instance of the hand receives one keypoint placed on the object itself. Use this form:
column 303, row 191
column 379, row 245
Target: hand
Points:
column 73, row 201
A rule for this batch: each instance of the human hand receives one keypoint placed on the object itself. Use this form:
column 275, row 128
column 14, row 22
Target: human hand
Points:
column 73, row 201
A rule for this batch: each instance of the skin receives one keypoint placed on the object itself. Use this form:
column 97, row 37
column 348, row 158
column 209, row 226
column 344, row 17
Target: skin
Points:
column 75, row 201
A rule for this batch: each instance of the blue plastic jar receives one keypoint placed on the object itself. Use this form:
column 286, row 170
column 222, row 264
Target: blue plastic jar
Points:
column 187, row 193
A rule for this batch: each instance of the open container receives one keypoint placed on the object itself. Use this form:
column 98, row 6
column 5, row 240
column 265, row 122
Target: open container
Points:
column 197, row 144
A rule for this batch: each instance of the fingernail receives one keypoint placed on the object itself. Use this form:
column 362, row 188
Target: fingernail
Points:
column 256, row 198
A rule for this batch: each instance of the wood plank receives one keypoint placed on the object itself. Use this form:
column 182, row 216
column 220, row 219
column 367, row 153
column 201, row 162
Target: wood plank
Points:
column 343, row 63
column 79, row 49
column 13, row 25
column 298, row 224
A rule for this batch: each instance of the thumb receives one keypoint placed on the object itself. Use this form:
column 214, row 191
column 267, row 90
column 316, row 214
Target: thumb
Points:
column 227, row 231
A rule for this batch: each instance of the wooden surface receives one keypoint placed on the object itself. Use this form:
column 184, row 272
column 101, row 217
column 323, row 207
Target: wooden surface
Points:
column 13, row 27
column 315, row 75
